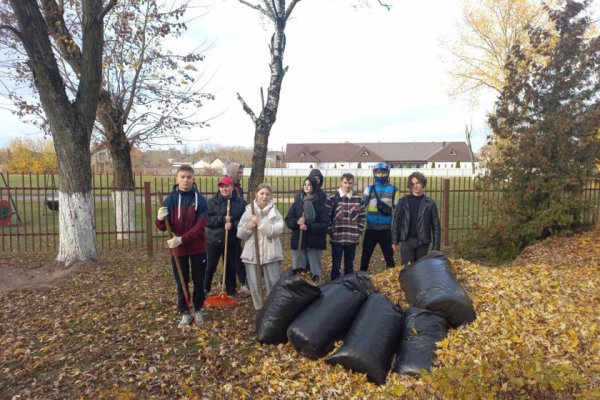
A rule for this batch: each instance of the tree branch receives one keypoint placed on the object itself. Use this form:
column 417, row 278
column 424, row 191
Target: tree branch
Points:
column 13, row 30
column 247, row 108
column 107, row 8
column 256, row 7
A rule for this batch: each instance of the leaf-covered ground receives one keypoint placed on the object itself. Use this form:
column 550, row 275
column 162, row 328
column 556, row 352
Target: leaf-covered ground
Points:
column 110, row 332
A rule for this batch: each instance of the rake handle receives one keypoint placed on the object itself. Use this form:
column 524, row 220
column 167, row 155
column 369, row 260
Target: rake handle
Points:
column 299, row 248
column 257, row 254
column 186, row 294
column 225, row 251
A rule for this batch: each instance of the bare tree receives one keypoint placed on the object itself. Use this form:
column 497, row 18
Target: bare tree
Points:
column 149, row 92
column 278, row 13
column 71, row 121
column 468, row 133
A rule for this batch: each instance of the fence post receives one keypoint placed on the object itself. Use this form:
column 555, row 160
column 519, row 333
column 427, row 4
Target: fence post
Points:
column 148, row 209
column 446, row 211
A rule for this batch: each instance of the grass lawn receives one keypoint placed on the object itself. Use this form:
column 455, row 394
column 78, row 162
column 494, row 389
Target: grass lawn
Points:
column 109, row 331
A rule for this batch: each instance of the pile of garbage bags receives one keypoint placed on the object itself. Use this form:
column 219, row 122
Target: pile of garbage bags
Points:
column 378, row 336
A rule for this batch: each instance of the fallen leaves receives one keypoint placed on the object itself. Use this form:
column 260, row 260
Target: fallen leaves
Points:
column 111, row 333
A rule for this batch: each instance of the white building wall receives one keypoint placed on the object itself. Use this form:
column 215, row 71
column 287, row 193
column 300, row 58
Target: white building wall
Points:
column 368, row 172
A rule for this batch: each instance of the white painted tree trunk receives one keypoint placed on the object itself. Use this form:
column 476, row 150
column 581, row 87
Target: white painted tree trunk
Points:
column 77, row 227
column 124, row 201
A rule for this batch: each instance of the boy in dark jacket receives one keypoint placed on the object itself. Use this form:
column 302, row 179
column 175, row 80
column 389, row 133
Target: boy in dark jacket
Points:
column 218, row 223
column 186, row 209
column 416, row 222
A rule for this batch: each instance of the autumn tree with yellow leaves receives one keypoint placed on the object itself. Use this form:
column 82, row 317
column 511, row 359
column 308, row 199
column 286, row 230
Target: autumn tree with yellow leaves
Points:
column 22, row 156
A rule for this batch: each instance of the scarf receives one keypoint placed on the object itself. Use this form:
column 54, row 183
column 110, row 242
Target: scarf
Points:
column 309, row 208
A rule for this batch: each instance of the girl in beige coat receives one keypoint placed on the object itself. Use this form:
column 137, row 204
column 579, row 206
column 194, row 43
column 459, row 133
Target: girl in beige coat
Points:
column 270, row 227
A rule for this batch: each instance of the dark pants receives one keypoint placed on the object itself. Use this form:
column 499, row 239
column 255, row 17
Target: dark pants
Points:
column 349, row 251
column 198, row 262
column 215, row 252
column 372, row 238
column 240, row 268
column 410, row 251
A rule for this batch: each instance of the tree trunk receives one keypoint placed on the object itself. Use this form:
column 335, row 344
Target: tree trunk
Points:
column 268, row 115
column 124, row 185
column 71, row 123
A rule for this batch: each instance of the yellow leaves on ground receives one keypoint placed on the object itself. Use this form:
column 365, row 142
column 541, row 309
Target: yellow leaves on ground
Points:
column 113, row 334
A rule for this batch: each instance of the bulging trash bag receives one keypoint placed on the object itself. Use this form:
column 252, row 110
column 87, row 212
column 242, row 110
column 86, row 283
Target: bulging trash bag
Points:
column 372, row 341
column 328, row 318
column 421, row 330
column 430, row 284
column 292, row 293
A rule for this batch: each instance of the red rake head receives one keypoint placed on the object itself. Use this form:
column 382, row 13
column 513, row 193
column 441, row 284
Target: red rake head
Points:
column 220, row 301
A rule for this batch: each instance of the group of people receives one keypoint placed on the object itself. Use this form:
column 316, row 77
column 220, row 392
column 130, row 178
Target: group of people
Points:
column 199, row 230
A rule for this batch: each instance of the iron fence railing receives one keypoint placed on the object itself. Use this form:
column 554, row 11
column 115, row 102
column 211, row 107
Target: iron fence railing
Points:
column 29, row 207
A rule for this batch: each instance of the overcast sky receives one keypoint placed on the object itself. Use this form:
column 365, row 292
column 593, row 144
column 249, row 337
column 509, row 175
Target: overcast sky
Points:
column 355, row 74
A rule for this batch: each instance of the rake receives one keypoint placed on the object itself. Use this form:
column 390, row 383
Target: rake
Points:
column 222, row 300
column 186, row 294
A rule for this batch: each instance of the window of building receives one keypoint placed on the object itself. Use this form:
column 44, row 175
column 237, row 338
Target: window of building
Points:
column 452, row 152
column 365, row 153
column 301, row 154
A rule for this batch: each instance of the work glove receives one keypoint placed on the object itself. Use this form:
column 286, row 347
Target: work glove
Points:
column 162, row 213
column 175, row 242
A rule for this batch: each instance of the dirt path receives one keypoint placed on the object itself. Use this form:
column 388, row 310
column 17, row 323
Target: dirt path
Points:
column 18, row 273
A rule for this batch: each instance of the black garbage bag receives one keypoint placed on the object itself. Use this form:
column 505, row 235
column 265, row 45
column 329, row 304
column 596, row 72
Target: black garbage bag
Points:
column 328, row 318
column 292, row 293
column 421, row 330
column 372, row 341
column 430, row 284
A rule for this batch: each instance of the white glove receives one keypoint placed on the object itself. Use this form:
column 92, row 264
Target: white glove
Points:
column 175, row 242
column 162, row 213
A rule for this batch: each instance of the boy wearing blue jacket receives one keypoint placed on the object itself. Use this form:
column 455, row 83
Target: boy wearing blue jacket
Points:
column 380, row 200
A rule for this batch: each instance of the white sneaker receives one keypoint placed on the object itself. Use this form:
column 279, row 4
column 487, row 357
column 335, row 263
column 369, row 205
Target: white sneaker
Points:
column 198, row 317
column 186, row 319
column 244, row 289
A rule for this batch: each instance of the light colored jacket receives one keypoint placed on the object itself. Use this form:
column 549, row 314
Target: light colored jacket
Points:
column 270, row 229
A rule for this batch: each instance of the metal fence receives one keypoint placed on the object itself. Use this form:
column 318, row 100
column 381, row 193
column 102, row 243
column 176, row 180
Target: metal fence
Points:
column 29, row 205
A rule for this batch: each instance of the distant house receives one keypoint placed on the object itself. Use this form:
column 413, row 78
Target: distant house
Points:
column 365, row 155
column 102, row 161
column 219, row 163
column 200, row 165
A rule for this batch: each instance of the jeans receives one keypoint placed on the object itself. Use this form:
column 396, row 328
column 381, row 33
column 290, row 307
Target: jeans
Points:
column 309, row 259
column 349, row 251
column 372, row 238
column 198, row 262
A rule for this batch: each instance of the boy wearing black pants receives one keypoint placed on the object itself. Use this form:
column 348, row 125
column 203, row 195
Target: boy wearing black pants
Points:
column 186, row 210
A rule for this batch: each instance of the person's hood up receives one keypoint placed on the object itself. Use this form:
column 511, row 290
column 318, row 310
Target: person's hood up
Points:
column 316, row 172
column 232, row 170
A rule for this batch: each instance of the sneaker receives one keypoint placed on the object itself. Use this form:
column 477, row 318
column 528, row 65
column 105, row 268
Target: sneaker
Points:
column 198, row 317
column 186, row 319
column 244, row 289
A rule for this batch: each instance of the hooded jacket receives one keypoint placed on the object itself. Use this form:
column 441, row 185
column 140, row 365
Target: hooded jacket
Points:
column 269, row 230
column 187, row 215
column 217, row 210
column 232, row 171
